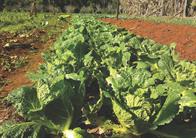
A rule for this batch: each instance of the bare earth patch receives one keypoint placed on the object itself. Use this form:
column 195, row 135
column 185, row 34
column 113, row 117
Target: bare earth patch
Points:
column 15, row 47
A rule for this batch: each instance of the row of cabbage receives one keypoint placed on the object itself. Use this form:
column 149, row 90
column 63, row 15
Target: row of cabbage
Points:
column 100, row 76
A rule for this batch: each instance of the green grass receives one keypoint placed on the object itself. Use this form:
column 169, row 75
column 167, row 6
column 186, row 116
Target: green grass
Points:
column 21, row 22
column 170, row 20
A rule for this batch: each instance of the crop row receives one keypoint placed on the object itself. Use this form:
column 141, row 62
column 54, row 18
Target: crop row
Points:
column 100, row 76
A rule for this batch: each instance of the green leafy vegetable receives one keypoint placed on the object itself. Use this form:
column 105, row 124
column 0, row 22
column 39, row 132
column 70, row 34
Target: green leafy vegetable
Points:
column 101, row 76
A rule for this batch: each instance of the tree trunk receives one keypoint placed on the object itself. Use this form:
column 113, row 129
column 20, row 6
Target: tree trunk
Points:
column 175, row 7
column 185, row 8
column 61, row 5
column 118, row 8
column 1, row 4
column 162, row 7
column 53, row 6
column 33, row 9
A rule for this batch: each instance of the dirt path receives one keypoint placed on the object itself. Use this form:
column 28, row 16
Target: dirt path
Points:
column 18, row 77
column 183, row 36
column 32, row 53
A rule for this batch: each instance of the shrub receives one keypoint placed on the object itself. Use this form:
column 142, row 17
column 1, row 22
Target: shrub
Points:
column 88, row 9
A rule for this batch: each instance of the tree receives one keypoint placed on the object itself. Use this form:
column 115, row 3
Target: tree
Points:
column 162, row 7
column 1, row 4
column 33, row 10
column 118, row 8
column 185, row 8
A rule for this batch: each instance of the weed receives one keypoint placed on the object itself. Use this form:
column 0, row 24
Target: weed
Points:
column 10, row 63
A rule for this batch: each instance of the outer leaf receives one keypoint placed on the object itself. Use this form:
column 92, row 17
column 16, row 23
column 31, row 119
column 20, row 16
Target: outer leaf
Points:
column 170, row 107
column 22, row 130
column 177, row 130
column 25, row 101
column 166, row 64
column 67, row 111
column 188, row 98
column 137, row 116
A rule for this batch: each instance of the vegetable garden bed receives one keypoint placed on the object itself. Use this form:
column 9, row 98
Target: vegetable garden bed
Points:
column 101, row 77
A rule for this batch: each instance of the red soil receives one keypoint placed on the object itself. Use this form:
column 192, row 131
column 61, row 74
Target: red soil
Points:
column 183, row 36
column 17, row 77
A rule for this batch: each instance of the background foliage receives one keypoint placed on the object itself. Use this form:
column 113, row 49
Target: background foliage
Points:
column 159, row 7
column 131, row 7
column 60, row 5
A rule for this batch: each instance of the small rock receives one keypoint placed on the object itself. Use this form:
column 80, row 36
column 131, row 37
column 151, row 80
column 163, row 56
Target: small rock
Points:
column 6, row 45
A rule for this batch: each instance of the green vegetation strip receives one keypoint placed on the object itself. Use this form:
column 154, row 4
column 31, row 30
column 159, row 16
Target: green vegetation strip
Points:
column 20, row 22
column 100, row 76
column 169, row 20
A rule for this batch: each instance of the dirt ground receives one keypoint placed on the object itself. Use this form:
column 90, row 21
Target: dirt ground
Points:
column 184, row 36
column 30, row 46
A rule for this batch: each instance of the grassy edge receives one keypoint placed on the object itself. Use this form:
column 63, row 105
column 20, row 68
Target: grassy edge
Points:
column 191, row 21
